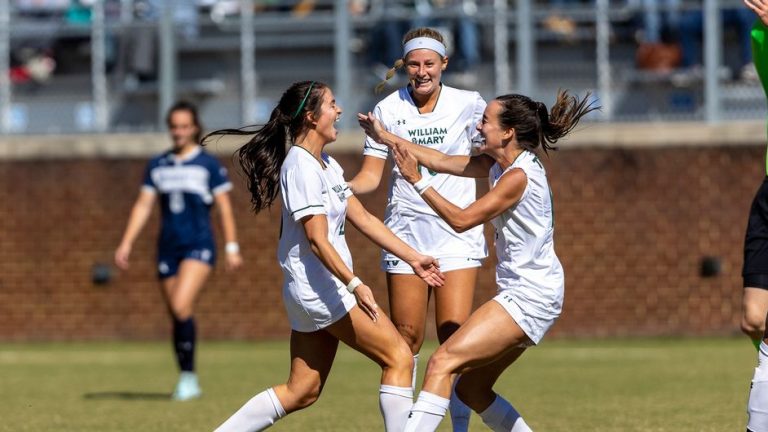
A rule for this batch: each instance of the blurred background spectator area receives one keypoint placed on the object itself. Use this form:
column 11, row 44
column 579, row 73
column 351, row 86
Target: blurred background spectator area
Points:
column 651, row 217
column 114, row 65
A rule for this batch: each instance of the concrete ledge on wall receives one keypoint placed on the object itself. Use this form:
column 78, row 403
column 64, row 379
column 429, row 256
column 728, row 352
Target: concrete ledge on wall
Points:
column 639, row 135
column 121, row 146
column 630, row 135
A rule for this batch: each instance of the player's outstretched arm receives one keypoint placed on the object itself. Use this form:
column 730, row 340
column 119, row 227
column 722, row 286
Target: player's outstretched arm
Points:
column 369, row 176
column 140, row 213
column 426, row 267
column 232, row 249
column 464, row 166
column 504, row 195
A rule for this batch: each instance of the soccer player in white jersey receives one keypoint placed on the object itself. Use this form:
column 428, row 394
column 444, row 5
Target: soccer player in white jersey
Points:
column 529, row 276
column 433, row 115
column 187, row 181
column 325, row 301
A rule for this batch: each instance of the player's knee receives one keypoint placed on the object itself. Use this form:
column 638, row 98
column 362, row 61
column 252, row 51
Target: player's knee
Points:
column 752, row 328
column 181, row 310
column 403, row 358
column 753, row 323
column 399, row 357
column 305, row 394
column 181, row 313
column 307, row 399
column 412, row 336
column 440, row 363
column 748, row 327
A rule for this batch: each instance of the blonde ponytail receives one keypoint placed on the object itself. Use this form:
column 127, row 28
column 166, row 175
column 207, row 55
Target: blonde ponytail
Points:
column 390, row 73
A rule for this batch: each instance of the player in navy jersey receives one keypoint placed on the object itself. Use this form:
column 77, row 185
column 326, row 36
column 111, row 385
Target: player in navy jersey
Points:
column 188, row 182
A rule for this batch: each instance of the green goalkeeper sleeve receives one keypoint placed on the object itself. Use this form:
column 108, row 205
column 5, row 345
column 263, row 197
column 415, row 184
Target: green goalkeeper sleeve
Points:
column 760, row 57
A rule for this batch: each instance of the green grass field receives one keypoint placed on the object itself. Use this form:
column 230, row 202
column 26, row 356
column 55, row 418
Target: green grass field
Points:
column 674, row 385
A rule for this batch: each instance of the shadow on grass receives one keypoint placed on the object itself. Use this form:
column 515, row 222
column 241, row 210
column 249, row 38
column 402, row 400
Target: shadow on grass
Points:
column 125, row 395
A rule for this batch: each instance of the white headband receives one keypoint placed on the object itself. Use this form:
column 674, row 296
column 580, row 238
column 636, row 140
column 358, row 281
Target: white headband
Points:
column 424, row 42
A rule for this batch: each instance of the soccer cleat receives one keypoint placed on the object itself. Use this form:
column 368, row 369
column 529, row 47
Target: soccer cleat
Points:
column 187, row 387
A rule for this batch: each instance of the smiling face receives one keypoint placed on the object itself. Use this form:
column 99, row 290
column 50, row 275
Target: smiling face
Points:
column 490, row 128
column 424, row 68
column 325, row 120
column 183, row 130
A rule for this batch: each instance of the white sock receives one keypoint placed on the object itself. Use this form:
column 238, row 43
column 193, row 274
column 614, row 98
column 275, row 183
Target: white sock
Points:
column 762, row 355
column 415, row 371
column 460, row 412
column 259, row 413
column 757, row 406
column 395, row 404
column 501, row 416
column 427, row 413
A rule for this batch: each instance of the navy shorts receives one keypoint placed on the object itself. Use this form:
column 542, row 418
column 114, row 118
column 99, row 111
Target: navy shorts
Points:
column 755, row 270
column 168, row 261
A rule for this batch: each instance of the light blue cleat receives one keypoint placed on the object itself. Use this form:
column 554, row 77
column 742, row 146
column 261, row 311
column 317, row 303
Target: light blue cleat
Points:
column 187, row 387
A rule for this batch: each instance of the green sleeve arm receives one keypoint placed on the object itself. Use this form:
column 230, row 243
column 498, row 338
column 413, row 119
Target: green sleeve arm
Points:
column 760, row 52
column 759, row 36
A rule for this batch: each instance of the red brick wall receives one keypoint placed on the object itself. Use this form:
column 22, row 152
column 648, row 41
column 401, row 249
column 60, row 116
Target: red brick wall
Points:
column 631, row 228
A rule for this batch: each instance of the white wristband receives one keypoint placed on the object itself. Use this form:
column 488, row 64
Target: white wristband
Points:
column 232, row 248
column 422, row 185
column 354, row 283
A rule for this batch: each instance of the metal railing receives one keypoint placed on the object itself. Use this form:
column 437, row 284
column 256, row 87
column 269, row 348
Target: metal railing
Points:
column 240, row 91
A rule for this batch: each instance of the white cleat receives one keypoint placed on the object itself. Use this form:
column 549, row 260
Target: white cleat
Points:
column 187, row 387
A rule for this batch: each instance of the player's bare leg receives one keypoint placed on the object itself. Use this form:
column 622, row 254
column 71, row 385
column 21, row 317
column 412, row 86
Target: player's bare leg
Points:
column 180, row 293
column 488, row 335
column 453, row 305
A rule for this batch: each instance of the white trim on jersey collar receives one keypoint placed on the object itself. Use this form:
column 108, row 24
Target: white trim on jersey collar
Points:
column 424, row 42
column 187, row 157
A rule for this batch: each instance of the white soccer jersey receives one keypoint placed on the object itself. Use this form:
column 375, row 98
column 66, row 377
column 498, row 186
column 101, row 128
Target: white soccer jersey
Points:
column 314, row 298
column 450, row 128
column 528, row 272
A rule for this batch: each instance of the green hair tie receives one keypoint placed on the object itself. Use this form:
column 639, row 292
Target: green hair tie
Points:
column 303, row 101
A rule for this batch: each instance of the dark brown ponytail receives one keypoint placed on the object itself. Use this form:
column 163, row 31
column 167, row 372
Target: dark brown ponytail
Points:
column 535, row 126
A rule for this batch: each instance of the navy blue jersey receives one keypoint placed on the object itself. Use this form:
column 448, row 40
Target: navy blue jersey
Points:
column 186, row 188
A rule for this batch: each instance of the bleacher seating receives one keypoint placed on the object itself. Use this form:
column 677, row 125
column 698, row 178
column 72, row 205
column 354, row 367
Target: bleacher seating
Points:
column 291, row 46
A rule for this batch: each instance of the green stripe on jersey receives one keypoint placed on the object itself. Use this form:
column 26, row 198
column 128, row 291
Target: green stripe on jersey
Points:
column 304, row 208
column 759, row 35
column 368, row 147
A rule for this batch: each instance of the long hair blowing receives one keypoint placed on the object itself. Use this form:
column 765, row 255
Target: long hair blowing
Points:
column 535, row 126
column 262, row 156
